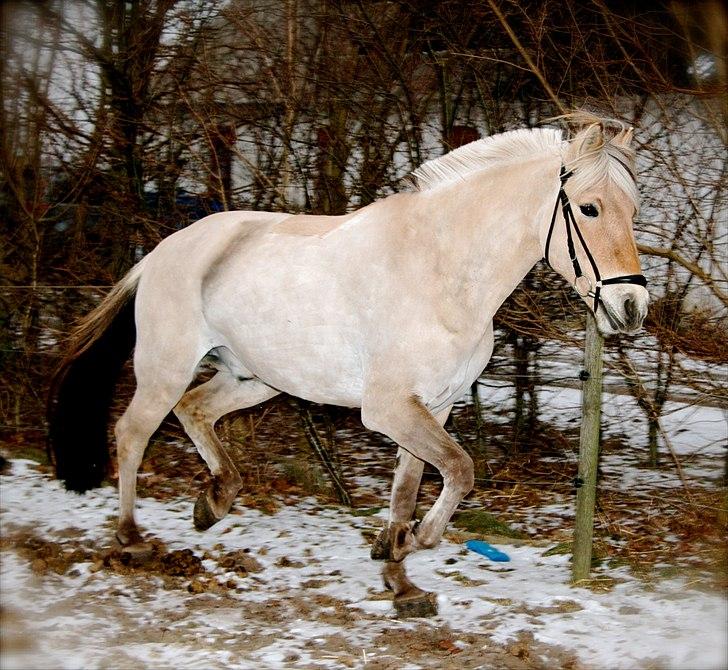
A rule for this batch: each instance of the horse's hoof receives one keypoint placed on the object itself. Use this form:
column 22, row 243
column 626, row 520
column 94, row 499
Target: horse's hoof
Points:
column 136, row 551
column 203, row 515
column 419, row 604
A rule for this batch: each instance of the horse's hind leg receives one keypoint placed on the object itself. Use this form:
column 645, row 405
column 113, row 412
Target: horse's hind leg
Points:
column 150, row 404
column 198, row 410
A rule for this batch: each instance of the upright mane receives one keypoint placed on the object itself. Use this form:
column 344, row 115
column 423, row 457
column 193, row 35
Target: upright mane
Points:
column 485, row 153
column 591, row 165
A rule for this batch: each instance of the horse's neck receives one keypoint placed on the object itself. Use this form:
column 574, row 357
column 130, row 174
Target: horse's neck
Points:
column 487, row 229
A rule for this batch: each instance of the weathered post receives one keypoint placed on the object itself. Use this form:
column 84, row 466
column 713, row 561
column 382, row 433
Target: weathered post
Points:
column 586, row 482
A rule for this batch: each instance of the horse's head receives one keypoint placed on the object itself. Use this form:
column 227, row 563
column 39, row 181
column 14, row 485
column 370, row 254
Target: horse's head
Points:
column 590, row 241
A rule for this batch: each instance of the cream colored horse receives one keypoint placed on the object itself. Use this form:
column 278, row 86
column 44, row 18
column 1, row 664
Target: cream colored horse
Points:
column 388, row 308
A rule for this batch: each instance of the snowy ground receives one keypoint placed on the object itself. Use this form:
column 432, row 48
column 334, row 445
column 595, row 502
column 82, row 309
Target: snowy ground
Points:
column 311, row 597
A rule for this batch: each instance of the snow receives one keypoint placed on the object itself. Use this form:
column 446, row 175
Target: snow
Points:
column 698, row 433
column 634, row 625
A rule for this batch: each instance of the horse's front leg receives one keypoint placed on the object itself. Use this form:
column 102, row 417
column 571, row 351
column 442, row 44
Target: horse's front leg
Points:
column 422, row 438
column 396, row 539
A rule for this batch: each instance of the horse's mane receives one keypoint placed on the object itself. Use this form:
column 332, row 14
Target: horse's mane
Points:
column 612, row 161
column 484, row 153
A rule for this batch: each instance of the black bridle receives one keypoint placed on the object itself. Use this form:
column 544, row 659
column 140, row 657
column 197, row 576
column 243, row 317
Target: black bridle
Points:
column 582, row 283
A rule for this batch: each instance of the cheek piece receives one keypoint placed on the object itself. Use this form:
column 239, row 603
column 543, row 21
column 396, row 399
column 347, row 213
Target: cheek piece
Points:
column 582, row 283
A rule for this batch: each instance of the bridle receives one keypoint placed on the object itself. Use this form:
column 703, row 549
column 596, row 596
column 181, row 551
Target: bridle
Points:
column 582, row 283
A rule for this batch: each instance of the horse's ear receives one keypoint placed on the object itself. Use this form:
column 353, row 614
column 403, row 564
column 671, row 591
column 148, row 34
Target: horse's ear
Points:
column 587, row 141
column 624, row 137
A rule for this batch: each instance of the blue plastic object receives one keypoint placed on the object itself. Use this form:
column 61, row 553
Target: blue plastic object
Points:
column 487, row 550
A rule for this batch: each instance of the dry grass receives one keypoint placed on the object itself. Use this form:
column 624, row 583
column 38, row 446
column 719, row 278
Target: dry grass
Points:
column 698, row 334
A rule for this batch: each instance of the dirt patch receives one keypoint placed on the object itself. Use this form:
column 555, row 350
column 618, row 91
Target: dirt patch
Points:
column 177, row 569
column 444, row 648
column 241, row 562
column 44, row 555
column 210, row 588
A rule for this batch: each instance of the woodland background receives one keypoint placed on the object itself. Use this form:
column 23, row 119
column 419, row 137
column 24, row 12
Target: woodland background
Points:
column 122, row 122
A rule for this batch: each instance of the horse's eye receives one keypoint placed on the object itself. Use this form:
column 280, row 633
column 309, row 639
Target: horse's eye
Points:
column 589, row 210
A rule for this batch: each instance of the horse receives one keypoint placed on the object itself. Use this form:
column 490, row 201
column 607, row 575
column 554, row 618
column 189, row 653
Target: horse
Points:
column 388, row 309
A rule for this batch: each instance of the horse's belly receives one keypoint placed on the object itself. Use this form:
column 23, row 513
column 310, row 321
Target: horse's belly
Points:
column 300, row 352
column 320, row 365
column 279, row 304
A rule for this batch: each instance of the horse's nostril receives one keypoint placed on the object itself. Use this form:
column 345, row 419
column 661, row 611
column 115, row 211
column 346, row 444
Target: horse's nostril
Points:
column 630, row 310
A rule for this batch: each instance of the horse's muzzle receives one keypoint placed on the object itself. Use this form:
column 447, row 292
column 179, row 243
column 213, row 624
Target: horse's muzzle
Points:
column 622, row 309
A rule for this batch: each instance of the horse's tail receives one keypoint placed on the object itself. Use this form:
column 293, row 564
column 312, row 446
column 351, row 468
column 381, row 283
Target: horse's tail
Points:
column 82, row 387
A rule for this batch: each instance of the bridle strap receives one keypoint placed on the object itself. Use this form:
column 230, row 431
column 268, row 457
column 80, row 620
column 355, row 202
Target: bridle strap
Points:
column 563, row 176
column 640, row 280
column 570, row 220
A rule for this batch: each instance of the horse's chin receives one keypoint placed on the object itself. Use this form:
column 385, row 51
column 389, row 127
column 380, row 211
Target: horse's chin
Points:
column 605, row 324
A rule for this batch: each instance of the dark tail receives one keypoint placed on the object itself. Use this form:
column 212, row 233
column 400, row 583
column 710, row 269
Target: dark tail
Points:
column 83, row 386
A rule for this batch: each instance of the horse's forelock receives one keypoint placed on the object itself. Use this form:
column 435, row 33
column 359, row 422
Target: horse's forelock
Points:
column 610, row 162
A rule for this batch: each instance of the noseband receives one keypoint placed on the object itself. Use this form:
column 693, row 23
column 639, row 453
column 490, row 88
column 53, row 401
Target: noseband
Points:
column 582, row 283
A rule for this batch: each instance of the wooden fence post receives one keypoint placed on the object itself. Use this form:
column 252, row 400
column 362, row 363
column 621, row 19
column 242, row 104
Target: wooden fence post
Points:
column 586, row 482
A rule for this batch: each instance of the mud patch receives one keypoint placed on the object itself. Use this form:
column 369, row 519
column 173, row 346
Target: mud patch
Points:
column 44, row 555
column 442, row 647
column 297, row 628
column 241, row 562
